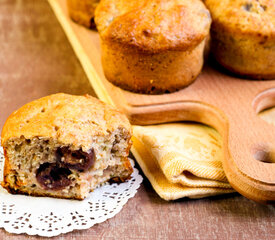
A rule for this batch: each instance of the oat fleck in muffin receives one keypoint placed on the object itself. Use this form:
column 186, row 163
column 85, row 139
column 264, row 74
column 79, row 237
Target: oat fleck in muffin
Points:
column 243, row 36
column 152, row 46
column 65, row 146
column 82, row 11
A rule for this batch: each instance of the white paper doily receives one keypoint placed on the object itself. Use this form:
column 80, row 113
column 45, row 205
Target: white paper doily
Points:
column 50, row 217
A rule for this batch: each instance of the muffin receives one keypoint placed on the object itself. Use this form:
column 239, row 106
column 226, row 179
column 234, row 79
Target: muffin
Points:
column 243, row 36
column 82, row 11
column 65, row 146
column 152, row 46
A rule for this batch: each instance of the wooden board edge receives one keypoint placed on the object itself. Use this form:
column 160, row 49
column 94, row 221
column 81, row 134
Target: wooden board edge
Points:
column 91, row 73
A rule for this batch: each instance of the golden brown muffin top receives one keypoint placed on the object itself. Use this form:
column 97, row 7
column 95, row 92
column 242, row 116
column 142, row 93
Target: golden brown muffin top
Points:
column 153, row 25
column 244, row 16
column 70, row 120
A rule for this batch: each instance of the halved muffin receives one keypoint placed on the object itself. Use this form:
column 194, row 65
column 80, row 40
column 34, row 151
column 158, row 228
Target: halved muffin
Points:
column 65, row 146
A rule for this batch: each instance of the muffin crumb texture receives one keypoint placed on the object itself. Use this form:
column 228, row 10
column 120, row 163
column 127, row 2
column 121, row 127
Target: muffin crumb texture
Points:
column 45, row 154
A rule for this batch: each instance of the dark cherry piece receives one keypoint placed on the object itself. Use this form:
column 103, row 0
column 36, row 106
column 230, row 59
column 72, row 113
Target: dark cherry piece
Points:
column 78, row 160
column 52, row 176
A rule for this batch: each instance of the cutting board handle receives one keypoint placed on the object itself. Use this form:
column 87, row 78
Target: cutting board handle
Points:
column 249, row 148
column 248, row 163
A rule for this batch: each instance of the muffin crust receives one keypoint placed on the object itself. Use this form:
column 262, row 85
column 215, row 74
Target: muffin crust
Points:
column 82, row 11
column 151, row 46
column 243, row 36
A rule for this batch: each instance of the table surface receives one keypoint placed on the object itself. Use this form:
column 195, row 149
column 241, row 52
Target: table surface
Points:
column 36, row 59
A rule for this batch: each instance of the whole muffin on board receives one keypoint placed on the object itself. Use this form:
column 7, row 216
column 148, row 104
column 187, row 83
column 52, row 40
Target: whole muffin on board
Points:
column 152, row 46
column 65, row 146
column 243, row 36
column 82, row 11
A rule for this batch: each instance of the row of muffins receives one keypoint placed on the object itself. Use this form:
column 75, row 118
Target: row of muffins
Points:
column 156, row 46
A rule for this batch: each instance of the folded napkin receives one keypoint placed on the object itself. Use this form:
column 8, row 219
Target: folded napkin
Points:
column 181, row 159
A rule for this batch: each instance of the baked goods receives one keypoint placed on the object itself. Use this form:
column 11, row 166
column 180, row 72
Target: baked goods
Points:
column 243, row 36
column 82, row 11
column 65, row 146
column 152, row 46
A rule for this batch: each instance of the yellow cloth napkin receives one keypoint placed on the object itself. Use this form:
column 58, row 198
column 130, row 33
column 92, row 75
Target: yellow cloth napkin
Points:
column 268, row 115
column 181, row 159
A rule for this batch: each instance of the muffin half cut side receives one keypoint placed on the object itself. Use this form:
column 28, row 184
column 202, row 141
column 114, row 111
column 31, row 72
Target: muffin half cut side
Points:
column 68, row 157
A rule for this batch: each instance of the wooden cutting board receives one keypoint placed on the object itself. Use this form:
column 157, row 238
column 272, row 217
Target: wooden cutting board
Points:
column 227, row 103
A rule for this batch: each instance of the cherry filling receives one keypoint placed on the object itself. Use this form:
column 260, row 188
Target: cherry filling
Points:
column 52, row 176
column 77, row 160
